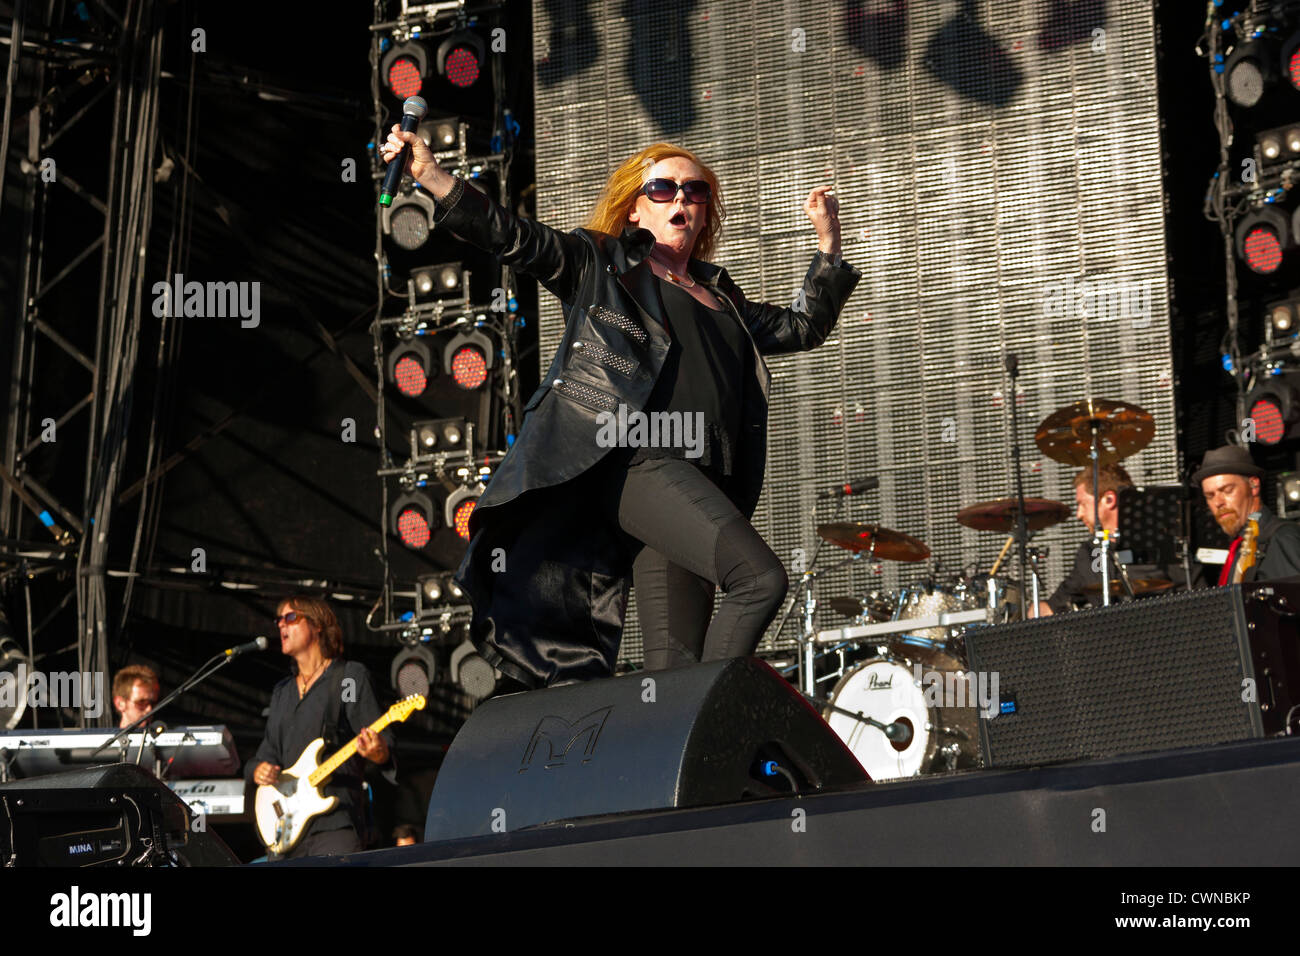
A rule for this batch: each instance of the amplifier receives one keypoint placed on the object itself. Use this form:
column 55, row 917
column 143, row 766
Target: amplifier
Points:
column 1182, row 670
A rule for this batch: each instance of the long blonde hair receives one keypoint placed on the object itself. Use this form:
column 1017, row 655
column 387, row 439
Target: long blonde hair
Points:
column 618, row 198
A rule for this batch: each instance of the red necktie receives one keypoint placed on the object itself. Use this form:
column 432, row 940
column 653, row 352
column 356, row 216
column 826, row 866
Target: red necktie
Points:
column 1227, row 565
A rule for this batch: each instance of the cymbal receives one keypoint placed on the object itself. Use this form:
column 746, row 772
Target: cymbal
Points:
column 889, row 545
column 1141, row 586
column 1000, row 515
column 1123, row 430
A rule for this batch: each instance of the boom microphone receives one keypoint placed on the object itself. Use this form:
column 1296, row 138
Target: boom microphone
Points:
column 258, row 644
column 413, row 111
column 866, row 484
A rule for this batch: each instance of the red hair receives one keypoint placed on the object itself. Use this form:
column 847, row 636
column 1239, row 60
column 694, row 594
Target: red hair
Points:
column 618, row 198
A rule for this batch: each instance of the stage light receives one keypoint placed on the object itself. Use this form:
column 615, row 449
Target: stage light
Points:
column 460, row 58
column 1250, row 68
column 12, row 657
column 431, row 589
column 1261, row 239
column 467, row 359
column 1291, row 60
column 413, row 520
column 438, row 281
column 409, row 219
column 1290, row 488
column 1278, row 145
column 404, row 68
column 1274, row 407
column 439, row 435
column 414, row 670
column 458, row 508
column 440, row 134
column 409, row 365
column 476, row 676
column 435, row 594
column 1283, row 318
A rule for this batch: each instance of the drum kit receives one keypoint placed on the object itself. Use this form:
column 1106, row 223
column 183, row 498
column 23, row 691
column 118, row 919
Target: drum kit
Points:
column 898, row 645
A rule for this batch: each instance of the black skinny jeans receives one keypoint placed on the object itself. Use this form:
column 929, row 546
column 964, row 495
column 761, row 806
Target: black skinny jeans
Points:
column 689, row 537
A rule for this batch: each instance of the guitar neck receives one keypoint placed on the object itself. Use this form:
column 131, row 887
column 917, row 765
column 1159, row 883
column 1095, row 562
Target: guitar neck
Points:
column 344, row 754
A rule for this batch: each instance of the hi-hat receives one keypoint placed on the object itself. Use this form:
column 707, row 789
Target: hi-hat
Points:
column 1122, row 430
column 881, row 542
column 1000, row 515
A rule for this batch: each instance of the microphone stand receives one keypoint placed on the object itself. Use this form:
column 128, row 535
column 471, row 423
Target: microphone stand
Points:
column 206, row 670
column 1022, row 529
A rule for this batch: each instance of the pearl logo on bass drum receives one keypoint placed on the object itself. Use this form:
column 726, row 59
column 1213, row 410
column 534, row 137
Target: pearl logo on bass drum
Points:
column 553, row 730
column 875, row 683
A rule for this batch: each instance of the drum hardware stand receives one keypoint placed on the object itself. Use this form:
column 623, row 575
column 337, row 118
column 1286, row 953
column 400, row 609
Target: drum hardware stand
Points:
column 1022, row 529
column 896, row 732
column 806, row 634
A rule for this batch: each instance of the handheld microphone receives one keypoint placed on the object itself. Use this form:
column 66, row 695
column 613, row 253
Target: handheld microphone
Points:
column 857, row 488
column 413, row 111
column 258, row 644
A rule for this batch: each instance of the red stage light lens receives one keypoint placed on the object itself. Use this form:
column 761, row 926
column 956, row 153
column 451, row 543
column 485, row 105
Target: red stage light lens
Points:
column 1293, row 68
column 409, row 373
column 404, row 77
column 462, row 67
column 469, row 367
column 1263, row 249
column 462, row 513
column 1269, row 426
column 413, row 528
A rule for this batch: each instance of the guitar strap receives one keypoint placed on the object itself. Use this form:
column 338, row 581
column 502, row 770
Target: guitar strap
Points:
column 330, row 726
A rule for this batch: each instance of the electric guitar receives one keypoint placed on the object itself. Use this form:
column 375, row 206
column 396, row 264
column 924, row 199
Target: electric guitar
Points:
column 1246, row 551
column 283, row 810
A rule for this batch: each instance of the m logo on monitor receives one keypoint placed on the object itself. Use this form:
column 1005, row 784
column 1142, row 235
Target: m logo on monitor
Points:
column 555, row 738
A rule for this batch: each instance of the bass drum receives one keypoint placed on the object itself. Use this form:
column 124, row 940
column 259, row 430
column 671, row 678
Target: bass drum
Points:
column 889, row 691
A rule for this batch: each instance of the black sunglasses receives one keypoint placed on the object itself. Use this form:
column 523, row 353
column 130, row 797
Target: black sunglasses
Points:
column 288, row 617
column 665, row 190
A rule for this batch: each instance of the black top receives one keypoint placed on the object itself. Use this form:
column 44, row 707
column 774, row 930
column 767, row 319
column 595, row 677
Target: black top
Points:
column 1072, row 590
column 703, row 374
column 293, row 723
column 1277, row 550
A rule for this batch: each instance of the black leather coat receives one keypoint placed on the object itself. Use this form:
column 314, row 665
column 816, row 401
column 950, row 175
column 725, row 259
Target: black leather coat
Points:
column 549, row 585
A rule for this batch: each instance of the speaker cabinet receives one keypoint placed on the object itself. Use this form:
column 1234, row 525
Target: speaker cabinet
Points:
column 693, row 736
column 113, row 815
column 1182, row 670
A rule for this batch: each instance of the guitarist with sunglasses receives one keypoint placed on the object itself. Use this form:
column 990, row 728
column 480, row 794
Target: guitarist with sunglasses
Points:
column 326, row 697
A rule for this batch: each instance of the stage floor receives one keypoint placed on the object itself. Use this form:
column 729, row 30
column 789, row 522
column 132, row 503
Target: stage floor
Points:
column 1230, row 805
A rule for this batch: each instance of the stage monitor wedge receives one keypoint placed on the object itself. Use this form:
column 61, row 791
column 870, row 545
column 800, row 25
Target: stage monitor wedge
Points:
column 693, row 736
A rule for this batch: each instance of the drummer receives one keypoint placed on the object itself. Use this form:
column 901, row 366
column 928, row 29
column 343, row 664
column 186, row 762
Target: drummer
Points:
column 1082, row 586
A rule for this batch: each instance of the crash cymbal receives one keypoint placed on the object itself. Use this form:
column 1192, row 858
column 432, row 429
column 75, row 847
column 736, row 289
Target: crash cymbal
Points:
column 1141, row 586
column 889, row 545
column 1000, row 515
column 1123, row 430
